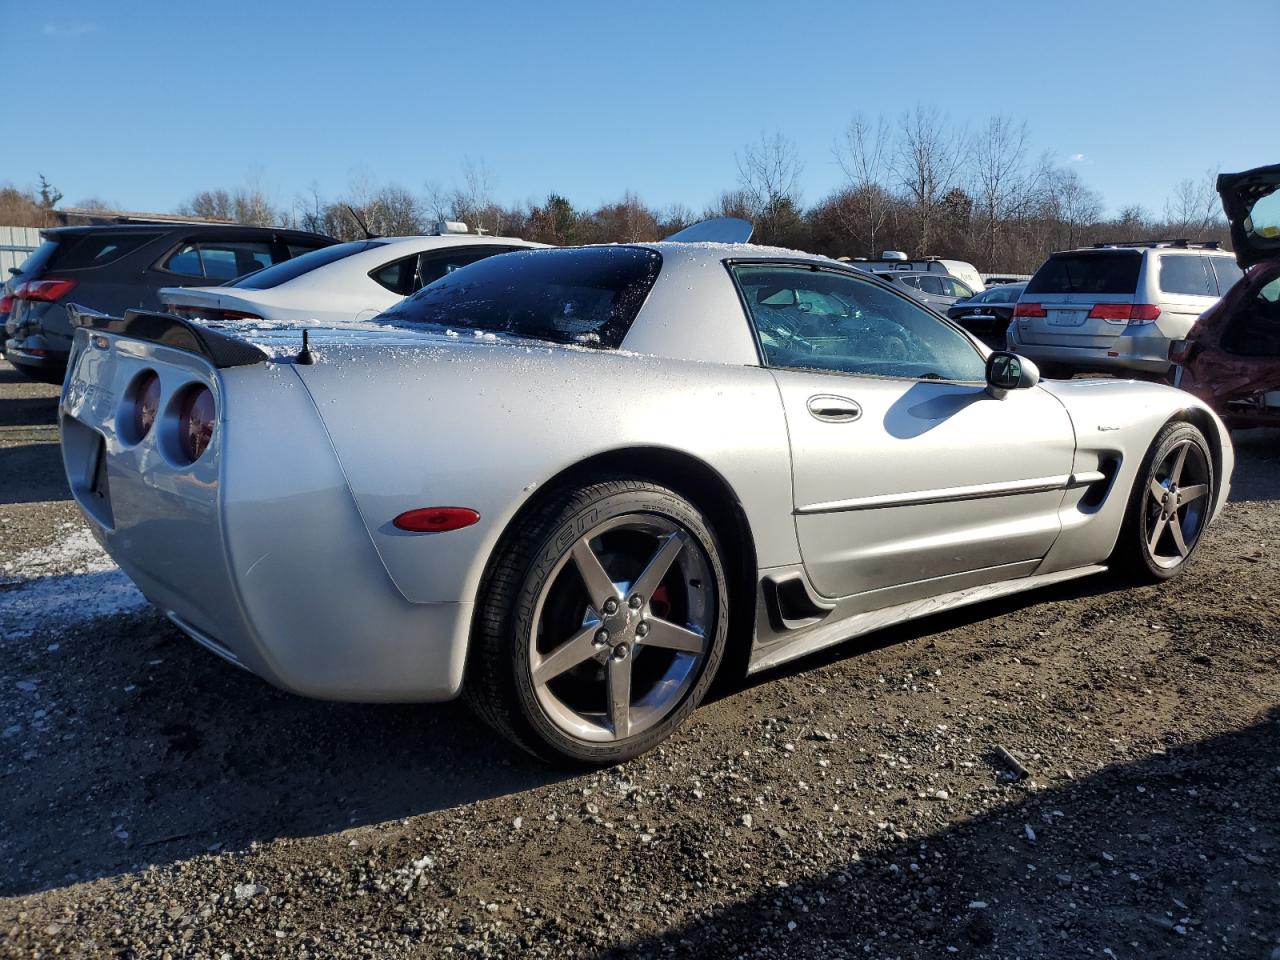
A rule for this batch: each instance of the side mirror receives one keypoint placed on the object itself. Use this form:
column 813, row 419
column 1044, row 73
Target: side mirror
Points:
column 1008, row 371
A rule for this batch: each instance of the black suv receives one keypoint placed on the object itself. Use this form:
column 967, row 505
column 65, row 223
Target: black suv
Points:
column 114, row 267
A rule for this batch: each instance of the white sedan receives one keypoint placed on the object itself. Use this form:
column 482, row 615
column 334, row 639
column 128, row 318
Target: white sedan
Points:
column 347, row 282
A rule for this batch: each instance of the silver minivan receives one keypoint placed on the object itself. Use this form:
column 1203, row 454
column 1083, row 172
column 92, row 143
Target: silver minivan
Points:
column 1117, row 307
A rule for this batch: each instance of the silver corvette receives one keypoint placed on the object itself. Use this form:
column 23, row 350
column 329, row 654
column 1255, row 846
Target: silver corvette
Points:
column 575, row 483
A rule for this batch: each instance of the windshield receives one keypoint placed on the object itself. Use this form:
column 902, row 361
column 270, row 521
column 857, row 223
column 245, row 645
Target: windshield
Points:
column 280, row 273
column 583, row 295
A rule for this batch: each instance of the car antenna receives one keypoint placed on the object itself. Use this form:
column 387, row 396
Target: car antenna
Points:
column 360, row 223
column 306, row 356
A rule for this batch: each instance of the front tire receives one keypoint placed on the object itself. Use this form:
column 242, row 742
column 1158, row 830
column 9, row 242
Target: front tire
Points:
column 1169, row 507
column 601, row 622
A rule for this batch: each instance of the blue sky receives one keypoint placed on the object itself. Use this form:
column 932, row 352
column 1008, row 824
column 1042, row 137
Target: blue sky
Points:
column 143, row 104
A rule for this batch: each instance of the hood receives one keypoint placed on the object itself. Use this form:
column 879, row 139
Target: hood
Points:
column 1252, row 206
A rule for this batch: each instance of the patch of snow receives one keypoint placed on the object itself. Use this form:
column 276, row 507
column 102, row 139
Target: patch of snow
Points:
column 69, row 581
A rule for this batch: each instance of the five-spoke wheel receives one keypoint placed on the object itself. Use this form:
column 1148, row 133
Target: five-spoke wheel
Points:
column 1171, row 504
column 603, row 622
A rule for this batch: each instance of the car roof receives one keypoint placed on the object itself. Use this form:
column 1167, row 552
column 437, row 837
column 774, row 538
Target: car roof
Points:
column 1209, row 247
column 205, row 229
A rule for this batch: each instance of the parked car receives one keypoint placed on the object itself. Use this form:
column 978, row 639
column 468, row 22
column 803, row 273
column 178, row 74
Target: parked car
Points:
column 113, row 268
column 1117, row 307
column 1231, row 357
column 987, row 314
column 962, row 270
column 573, row 482
column 341, row 283
column 939, row 290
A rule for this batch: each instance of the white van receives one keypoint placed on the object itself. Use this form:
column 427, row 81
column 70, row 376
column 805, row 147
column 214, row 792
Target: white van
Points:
column 897, row 260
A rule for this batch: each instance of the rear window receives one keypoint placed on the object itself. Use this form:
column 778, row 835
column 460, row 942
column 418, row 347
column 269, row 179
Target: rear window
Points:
column 585, row 296
column 1113, row 273
column 1186, row 274
column 1228, row 272
column 292, row 269
column 95, row 249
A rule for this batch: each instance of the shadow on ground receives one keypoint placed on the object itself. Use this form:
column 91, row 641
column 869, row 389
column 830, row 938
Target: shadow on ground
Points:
column 1175, row 854
column 33, row 473
column 135, row 746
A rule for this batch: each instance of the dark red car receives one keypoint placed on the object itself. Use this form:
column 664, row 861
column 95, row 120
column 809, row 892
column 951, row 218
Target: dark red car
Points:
column 1231, row 357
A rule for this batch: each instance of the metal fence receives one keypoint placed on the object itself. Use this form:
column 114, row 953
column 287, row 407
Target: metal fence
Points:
column 16, row 243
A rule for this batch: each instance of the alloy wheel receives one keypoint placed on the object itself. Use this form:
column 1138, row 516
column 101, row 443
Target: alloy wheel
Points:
column 1177, row 504
column 621, row 627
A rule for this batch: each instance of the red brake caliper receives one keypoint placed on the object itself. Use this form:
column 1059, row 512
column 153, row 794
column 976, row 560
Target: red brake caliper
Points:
column 660, row 603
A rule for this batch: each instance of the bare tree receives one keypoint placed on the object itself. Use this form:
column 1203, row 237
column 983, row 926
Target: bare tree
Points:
column 864, row 158
column 674, row 219
column 930, row 155
column 1073, row 203
column 769, row 175
column 1005, row 184
column 1194, row 209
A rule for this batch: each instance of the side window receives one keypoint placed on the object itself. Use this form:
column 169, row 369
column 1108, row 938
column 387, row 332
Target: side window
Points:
column 913, row 282
column 186, row 259
column 1227, row 270
column 1187, row 275
column 228, row 259
column 933, row 285
column 954, row 288
column 825, row 320
column 219, row 259
column 397, row 276
column 435, row 264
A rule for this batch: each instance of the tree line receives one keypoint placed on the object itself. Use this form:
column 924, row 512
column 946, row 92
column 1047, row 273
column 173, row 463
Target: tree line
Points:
column 915, row 181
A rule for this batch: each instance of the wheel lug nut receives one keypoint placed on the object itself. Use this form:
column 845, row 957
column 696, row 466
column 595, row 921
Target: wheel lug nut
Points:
column 620, row 651
column 602, row 637
column 642, row 630
column 636, row 602
column 611, row 606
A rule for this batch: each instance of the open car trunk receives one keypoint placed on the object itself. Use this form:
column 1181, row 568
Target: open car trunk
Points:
column 1252, row 205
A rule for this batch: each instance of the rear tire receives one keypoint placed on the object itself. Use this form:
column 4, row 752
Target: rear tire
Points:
column 1169, row 507
column 601, row 623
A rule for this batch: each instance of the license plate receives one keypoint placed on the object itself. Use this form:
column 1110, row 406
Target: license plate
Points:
column 1060, row 319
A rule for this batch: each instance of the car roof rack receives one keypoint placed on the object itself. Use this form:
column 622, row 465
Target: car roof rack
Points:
column 1181, row 243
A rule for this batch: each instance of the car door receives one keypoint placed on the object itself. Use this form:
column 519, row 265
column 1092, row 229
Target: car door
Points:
column 909, row 478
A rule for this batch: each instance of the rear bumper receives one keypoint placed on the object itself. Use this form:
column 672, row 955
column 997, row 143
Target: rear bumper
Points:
column 1145, row 354
column 46, row 364
column 257, row 550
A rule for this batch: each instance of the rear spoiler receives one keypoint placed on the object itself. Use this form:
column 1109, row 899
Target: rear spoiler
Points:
column 167, row 330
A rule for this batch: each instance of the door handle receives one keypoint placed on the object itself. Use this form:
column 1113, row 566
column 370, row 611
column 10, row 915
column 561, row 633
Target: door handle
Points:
column 833, row 409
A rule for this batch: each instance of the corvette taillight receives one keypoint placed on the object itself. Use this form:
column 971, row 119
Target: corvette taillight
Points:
column 146, row 404
column 195, row 422
column 46, row 291
column 209, row 314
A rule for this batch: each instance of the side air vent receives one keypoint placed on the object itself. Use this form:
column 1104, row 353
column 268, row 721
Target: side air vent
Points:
column 791, row 604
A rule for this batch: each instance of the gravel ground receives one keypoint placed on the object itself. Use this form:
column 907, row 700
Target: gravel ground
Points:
column 156, row 802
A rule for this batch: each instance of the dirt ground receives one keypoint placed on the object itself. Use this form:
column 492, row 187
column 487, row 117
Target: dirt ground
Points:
column 155, row 801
